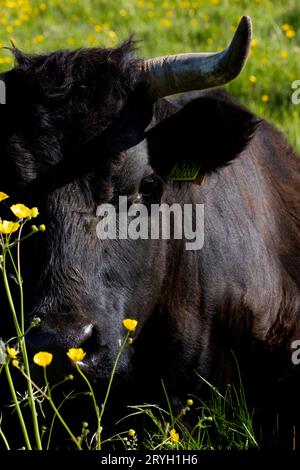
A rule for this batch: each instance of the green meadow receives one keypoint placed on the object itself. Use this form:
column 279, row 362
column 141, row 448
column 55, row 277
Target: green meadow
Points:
column 170, row 26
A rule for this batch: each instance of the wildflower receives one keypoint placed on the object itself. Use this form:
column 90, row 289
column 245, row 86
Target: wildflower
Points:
column 208, row 418
column 123, row 12
column 253, row 43
column 3, row 196
column 36, row 321
column 20, row 211
column 284, row 54
column 42, row 227
column 189, row 402
column 253, row 79
column 43, row 359
column 70, row 377
column 131, row 433
column 76, row 354
column 38, row 39
column 8, row 227
column 265, row 98
column 12, row 352
column 174, row 436
column 15, row 363
column 23, row 212
column 264, row 61
column 130, row 324
column 286, row 27
column 166, row 23
column 290, row 33
column 91, row 40
column 42, row 6
column 34, row 212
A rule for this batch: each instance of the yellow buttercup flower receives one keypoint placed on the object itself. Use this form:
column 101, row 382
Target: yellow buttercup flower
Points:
column 42, row 227
column 43, row 358
column 22, row 212
column 252, row 79
column 38, row 38
column 34, row 212
column 131, row 433
column 265, row 98
column 174, row 436
column 76, row 354
column 285, row 27
column 290, row 33
column 284, row 54
column 8, row 227
column 12, row 352
column 189, row 402
column 130, row 324
column 3, row 196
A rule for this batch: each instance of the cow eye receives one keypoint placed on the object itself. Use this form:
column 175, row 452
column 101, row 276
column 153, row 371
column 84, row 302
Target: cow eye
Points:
column 147, row 186
column 151, row 186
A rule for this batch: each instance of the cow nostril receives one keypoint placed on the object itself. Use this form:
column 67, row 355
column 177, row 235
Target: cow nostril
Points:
column 91, row 344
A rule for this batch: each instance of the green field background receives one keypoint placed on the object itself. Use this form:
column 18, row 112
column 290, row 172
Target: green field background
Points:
column 171, row 26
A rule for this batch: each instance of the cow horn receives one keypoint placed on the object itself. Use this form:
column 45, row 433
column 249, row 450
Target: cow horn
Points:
column 172, row 74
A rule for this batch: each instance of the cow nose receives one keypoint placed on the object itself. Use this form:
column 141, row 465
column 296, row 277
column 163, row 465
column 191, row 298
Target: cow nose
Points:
column 60, row 340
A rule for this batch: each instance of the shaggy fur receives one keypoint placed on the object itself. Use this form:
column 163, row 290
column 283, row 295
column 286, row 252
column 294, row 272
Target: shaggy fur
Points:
column 73, row 123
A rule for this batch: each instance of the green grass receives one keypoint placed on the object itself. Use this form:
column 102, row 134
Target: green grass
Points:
column 169, row 26
column 224, row 422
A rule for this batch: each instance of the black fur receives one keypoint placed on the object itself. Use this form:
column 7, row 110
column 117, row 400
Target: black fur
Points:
column 72, row 122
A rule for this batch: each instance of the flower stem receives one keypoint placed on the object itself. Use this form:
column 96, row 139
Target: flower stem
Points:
column 20, row 335
column 17, row 406
column 2, row 435
column 24, row 351
column 56, row 411
column 112, row 378
column 98, row 444
column 9, row 297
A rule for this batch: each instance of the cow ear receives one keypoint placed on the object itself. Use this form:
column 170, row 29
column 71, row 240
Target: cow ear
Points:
column 207, row 133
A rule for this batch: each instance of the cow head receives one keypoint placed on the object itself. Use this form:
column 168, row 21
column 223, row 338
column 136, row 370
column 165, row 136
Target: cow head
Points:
column 82, row 128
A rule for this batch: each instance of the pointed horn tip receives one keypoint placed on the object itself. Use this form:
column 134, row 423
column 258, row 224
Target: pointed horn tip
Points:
column 231, row 63
column 239, row 48
column 246, row 22
column 245, row 27
column 244, row 30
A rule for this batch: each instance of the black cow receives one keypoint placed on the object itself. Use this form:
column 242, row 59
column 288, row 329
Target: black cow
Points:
column 85, row 127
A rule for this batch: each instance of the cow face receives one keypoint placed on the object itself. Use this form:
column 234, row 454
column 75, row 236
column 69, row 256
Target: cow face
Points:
column 75, row 137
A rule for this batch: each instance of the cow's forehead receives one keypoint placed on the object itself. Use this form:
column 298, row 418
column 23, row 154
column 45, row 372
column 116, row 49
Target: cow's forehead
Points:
column 55, row 74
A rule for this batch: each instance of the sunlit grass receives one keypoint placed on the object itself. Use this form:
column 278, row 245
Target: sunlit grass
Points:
column 169, row 26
